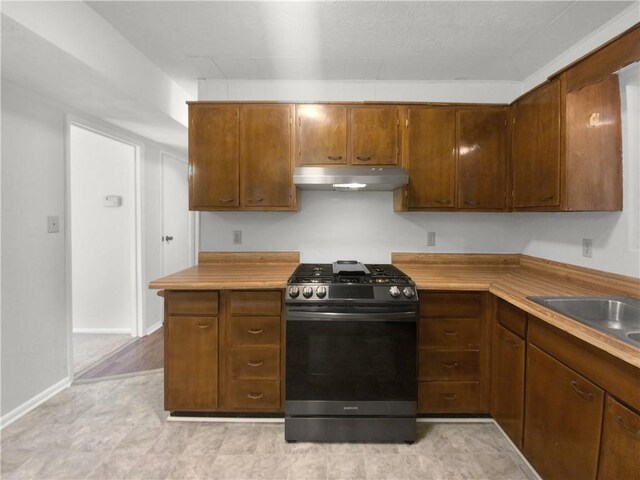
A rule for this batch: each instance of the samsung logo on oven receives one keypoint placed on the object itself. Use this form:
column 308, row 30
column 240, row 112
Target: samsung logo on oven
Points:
column 350, row 408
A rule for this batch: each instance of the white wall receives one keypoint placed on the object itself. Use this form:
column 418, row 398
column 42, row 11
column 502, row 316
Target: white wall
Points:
column 34, row 334
column 103, row 239
column 34, row 325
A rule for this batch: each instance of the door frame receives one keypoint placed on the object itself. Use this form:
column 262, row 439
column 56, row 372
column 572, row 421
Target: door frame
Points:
column 194, row 217
column 137, row 249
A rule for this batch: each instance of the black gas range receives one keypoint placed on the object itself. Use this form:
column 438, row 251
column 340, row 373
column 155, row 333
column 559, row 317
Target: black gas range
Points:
column 351, row 353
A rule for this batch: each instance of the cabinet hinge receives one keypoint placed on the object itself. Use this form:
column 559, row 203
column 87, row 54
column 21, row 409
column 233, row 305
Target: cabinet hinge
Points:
column 406, row 122
column 299, row 121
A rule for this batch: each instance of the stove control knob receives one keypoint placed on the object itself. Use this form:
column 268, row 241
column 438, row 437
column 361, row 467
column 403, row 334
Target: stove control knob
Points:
column 294, row 292
column 394, row 292
column 307, row 291
column 408, row 292
column 321, row 292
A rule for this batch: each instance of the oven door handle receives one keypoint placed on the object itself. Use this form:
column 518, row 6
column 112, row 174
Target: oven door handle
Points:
column 352, row 317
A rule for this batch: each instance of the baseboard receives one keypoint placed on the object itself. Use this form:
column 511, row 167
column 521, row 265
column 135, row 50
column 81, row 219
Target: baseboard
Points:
column 34, row 402
column 102, row 330
column 153, row 328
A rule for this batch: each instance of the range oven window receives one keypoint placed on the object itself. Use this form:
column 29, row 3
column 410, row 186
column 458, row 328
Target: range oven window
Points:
column 351, row 360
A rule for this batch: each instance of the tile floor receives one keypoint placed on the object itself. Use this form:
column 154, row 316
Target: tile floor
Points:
column 117, row 429
column 88, row 348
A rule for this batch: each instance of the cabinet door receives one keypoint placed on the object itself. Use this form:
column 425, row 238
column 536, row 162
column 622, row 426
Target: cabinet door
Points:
column 536, row 148
column 374, row 135
column 431, row 157
column 563, row 415
column 191, row 363
column 482, row 146
column 213, row 157
column 620, row 449
column 321, row 134
column 507, row 389
column 265, row 155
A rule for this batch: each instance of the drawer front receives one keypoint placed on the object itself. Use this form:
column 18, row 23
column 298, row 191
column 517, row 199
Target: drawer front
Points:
column 450, row 304
column 192, row 303
column 448, row 397
column 255, row 303
column 253, row 395
column 512, row 318
column 450, row 332
column 455, row 365
column 255, row 363
column 262, row 331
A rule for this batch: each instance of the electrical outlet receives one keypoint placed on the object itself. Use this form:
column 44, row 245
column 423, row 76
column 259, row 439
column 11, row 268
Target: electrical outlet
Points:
column 237, row 237
column 587, row 247
column 53, row 224
column 431, row 239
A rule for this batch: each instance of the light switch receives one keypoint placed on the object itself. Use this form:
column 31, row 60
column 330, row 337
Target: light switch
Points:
column 53, row 224
column 112, row 201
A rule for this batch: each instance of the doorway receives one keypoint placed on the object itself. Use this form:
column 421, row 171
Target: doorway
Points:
column 103, row 244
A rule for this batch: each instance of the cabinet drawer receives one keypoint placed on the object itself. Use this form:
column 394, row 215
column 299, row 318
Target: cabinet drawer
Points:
column 450, row 332
column 254, row 303
column 455, row 365
column 254, row 331
column 192, row 303
column 448, row 397
column 255, row 362
column 450, row 304
column 253, row 395
column 512, row 318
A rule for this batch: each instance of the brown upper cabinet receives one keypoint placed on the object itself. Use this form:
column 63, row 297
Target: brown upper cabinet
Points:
column 456, row 158
column 241, row 157
column 336, row 134
column 321, row 134
column 567, row 135
column 374, row 138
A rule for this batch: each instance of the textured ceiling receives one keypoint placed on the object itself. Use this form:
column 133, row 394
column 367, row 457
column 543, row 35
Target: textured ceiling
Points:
column 499, row 40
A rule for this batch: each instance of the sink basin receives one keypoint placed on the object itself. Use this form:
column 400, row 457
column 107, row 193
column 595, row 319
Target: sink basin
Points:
column 616, row 316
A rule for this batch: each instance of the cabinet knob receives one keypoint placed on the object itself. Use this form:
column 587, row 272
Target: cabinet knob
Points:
column 469, row 202
column 546, row 199
column 255, row 331
column 443, row 201
column 450, row 333
column 450, row 365
column 255, row 396
column 255, row 364
column 204, row 325
column 339, row 157
column 629, row 429
column 582, row 393
column 449, row 396
column 364, row 159
column 226, row 200
column 256, row 200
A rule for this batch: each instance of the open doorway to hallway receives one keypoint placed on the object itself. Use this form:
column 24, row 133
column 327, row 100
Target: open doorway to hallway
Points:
column 103, row 214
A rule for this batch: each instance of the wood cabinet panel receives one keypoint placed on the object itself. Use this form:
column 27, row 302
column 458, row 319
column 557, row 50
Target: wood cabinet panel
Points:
column 192, row 303
column 254, row 395
column 255, row 303
column 511, row 317
column 191, row 363
column 482, row 154
column 430, row 157
column 594, row 147
column 374, row 136
column 213, row 156
column 563, row 414
column 507, row 382
column 536, row 148
column 321, row 134
column 450, row 304
column 449, row 333
column 265, row 155
column 448, row 397
column 254, row 363
column 620, row 447
column 450, row 365
column 255, row 331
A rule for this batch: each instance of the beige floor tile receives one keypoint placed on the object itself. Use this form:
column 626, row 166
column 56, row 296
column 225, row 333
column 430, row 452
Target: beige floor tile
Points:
column 346, row 467
column 273, row 466
column 391, row 466
column 241, row 439
column 115, row 466
column 308, row 466
column 193, row 467
column 233, row 467
column 152, row 467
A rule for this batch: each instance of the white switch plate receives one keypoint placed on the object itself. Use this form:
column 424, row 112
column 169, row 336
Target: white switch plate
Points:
column 53, row 224
column 112, row 201
column 237, row 237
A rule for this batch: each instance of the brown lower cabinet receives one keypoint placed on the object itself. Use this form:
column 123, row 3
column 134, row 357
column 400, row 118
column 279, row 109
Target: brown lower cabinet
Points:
column 223, row 351
column 563, row 419
column 620, row 447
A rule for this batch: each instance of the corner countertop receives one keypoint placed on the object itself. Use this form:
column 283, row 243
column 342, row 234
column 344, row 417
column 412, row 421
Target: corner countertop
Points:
column 514, row 280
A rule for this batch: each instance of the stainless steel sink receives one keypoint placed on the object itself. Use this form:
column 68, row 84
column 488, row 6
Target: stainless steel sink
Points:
column 616, row 316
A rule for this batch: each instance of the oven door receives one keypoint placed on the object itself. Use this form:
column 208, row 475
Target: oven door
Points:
column 351, row 361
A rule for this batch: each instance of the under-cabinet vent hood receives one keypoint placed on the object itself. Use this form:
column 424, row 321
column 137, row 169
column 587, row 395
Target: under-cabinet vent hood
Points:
column 350, row 178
